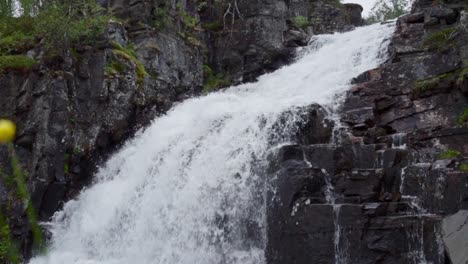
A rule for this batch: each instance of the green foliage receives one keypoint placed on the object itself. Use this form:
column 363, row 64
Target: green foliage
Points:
column 6, row 8
column 23, row 194
column 188, row 20
column 8, row 249
column 61, row 29
column 384, row 10
column 114, row 67
column 213, row 26
column 60, row 25
column 66, row 164
column 430, row 84
column 463, row 74
column 16, row 62
column 440, row 39
column 434, row 82
column 463, row 118
column 449, row 154
column 189, row 38
column 300, row 22
column 129, row 54
column 160, row 17
column 16, row 34
column 213, row 81
column 464, row 167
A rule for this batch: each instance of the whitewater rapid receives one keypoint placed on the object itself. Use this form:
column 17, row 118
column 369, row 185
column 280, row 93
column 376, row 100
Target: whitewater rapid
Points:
column 189, row 188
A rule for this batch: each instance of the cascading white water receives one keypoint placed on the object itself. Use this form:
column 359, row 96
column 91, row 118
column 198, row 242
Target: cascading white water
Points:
column 189, row 188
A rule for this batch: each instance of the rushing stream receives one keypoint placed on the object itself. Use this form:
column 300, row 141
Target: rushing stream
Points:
column 189, row 188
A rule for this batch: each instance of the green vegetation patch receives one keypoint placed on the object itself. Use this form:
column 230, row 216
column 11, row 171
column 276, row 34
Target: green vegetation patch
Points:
column 129, row 54
column 454, row 77
column 213, row 81
column 8, row 249
column 187, row 20
column 300, row 22
column 16, row 62
column 213, row 26
column 449, row 154
column 23, row 194
column 56, row 25
column 62, row 29
column 464, row 167
column 463, row 117
column 114, row 67
column 441, row 39
column 160, row 17
column 16, row 34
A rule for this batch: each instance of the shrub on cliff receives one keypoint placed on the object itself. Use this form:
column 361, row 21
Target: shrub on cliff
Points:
column 58, row 25
column 16, row 62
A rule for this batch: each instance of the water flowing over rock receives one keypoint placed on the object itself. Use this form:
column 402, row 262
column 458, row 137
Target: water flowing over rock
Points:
column 192, row 187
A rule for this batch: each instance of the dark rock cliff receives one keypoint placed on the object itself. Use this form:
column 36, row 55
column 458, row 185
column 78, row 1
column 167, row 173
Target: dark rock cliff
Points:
column 389, row 188
column 72, row 112
column 255, row 37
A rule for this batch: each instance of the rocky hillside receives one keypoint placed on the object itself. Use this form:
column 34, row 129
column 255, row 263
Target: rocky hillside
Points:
column 74, row 109
column 399, row 170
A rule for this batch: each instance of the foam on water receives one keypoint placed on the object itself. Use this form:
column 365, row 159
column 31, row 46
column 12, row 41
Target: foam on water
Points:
column 189, row 188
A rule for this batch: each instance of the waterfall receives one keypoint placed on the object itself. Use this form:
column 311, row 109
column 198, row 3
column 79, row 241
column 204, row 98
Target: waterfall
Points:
column 189, row 189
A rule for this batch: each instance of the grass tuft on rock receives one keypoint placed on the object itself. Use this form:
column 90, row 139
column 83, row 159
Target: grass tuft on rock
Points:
column 16, row 62
column 213, row 81
column 300, row 22
column 441, row 39
column 463, row 117
column 449, row 154
column 464, row 167
column 129, row 54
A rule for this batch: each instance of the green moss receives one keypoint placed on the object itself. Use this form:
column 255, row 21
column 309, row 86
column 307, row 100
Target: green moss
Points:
column 66, row 164
column 76, row 150
column 464, row 167
column 213, row 26
column 213, row 81
column 16, row 62
column 449, row 154
column 186, row 19
column 160, row 17
column 432, row 83
column 440, row 39
column 113, row 67
column 463, row 118
column 128, row 53
column 300, row 22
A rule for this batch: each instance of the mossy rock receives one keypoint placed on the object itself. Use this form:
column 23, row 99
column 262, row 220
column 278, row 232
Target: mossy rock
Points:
column 17, row 62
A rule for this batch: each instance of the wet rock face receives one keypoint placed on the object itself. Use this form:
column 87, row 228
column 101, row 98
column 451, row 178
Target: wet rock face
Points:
column 256, row 37
column 393, row 187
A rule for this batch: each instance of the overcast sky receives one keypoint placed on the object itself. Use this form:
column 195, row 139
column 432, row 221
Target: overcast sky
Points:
column 367, row 4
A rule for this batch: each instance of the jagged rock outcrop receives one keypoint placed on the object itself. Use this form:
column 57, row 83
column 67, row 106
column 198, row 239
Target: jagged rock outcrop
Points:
column 380, row 193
